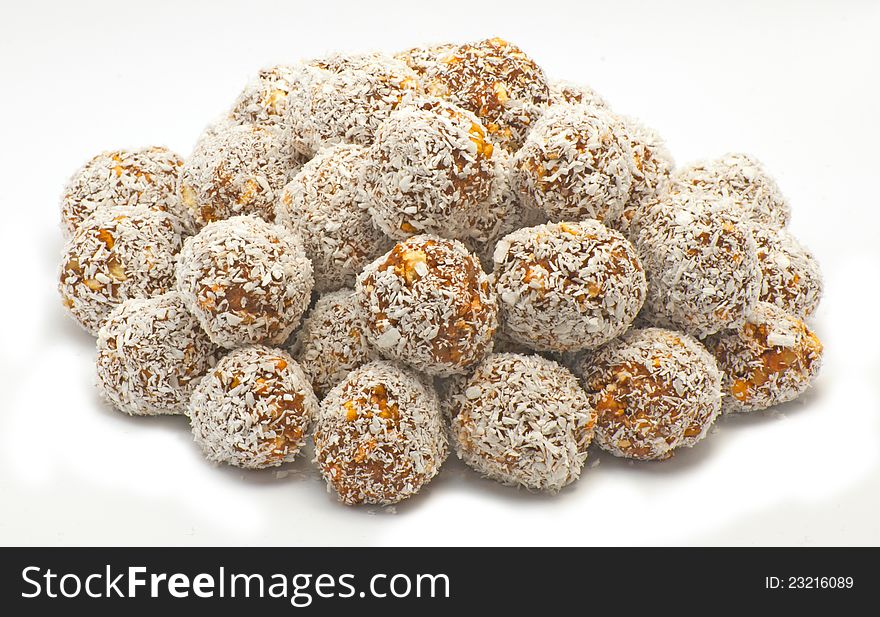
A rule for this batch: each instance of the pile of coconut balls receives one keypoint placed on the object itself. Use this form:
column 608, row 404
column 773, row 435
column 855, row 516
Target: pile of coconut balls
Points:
column 395, row 256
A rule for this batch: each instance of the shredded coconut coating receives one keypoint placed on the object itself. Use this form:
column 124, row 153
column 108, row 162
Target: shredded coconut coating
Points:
column 503, row 215
column 654, row 390
column 379, row 437
column 433, row 170
column 116, row 254
column 496, row 81
column 653, row 165
column 245, row 280
column 253, row 409
column 522, row 420
column 145, row 177
column 428, row 303
column 345, row 98
column 567, row 286
column 773, row 358
column 425, row 60
column 791, row 278
column 562, row 92
column 701, row 262
column 263, row 102
column 576, row 163
column 742, row 179
column 235, row 170
column 325, row 204
column 506, row 216
column 151, row 355
column 331, row 342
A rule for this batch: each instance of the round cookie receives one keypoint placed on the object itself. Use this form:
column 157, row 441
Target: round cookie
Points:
column 331, row 342
column 253, row 409
column 773, row 358
column 326, row 205
column 742, row 179
column 116, row 254
column 433, row 171
column 345, row 98
column 379, row 437
column 495, row 80
column 652, row 166
column 144, row 177
column 235, row 170
column 522, row 420
column 562, row 92
column 424, row 60
column 263, row 102
column 701, row 262
column 151, row 355
column 428, row 303
column 576, row 163
column 790, row 275
column 654, row 390
column 567, row 286
column 503, row 215
column 246, row 281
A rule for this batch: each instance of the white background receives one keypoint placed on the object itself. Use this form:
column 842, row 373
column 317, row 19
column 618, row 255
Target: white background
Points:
column 794, row 83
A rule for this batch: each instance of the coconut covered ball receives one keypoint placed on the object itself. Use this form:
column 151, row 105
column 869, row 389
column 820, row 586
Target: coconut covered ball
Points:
column 496, row 81
column 522, row 420
column 567, row 286
column 701, row 262
column 263, row 102
column 145, row 177
column 151, row 355
column 325, row 204
column 433, row 170
column 116, row 254
column 235, row 170
column 425, row 60
column 562, row 92
column 331, row 342
column 246, row 281
column 742, row 179
column 503, row 215
column 791, row 278
column 773, row 358
column 652, row 166
column 654, row 390
column 379, row 437
column 576, row 163
column 428, row 303
column 345, row 98
column 253, row 409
